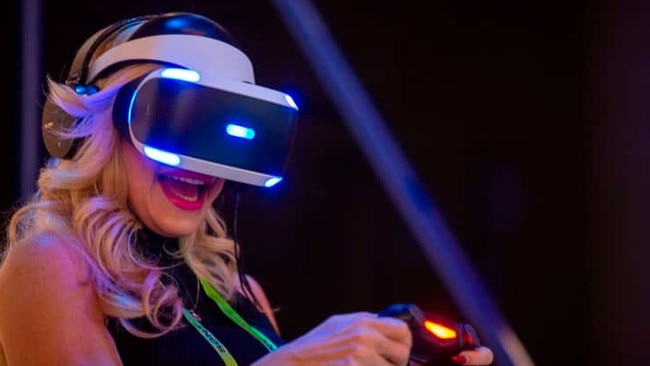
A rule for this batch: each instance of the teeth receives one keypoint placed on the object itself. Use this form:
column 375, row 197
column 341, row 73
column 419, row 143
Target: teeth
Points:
column 187, row 198
column 186, row 188
column 189, row 180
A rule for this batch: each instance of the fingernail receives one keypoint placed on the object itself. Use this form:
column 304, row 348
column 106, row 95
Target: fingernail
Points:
column 459, row 359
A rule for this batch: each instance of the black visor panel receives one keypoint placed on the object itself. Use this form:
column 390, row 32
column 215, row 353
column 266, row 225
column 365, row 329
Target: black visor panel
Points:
column 194, row 120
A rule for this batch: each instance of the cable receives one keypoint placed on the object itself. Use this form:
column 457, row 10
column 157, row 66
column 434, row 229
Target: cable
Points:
column 246, row 287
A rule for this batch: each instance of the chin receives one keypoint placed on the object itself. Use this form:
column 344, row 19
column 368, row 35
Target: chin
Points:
column 178, row 228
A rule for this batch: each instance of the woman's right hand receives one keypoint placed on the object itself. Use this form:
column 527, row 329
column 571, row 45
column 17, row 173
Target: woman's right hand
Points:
column 349, row 339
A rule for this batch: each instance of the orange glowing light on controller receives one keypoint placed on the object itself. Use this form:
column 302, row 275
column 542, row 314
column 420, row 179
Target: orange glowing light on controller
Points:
column 439, row 330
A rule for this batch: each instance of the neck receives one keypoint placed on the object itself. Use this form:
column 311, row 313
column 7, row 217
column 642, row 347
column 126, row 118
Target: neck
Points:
column 157, row 247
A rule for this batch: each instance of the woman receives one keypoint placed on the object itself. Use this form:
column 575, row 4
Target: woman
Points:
column 120, row 259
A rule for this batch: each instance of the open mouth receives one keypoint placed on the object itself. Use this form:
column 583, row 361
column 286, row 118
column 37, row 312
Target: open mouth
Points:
column 185, row 192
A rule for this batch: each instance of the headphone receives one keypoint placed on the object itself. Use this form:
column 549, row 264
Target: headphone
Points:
column 80, row 76
column 54, row 118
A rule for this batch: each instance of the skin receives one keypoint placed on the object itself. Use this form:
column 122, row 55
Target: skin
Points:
column 154, row 209
column 50, row 314
column 43, row 273
column 349, row 339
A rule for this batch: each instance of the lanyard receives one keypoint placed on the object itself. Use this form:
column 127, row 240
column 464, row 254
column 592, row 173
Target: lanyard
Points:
column 232, row 314
column 214, row 342
column 225, row 307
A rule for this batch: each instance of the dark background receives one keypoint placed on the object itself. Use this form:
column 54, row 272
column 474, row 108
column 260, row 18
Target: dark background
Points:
column 525, row 121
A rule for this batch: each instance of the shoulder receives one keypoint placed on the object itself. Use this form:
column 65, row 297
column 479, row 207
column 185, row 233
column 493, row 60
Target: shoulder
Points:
column 48, row 298
column 258, row 291
column 43, row 259
column 44, row 267
column 263, row 300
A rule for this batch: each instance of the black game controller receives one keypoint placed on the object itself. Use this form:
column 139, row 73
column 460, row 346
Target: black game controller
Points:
column 435, row 339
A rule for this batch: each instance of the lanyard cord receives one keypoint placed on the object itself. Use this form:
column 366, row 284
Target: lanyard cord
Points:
column 214, row 342
column 223, row 352
column 234, row 316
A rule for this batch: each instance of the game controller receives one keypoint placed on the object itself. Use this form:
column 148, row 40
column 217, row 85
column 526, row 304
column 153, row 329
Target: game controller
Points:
column 436, row 340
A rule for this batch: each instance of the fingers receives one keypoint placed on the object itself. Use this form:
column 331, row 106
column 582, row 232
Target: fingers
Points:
column 353, row 339
column 395, row 343
column 478, row 356
column 390, row 338
column 394, row 329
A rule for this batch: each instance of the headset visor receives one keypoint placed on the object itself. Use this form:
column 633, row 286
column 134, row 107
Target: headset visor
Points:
column 234, row 130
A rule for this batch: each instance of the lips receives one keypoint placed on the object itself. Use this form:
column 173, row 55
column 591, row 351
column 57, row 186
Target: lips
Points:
column 185, row 191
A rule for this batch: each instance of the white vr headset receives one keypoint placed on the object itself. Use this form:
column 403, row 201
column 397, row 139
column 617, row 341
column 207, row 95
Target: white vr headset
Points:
column 204, row 113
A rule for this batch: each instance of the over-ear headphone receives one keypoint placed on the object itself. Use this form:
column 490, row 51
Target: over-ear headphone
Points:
column 203, row 92
column 56, row 119
column 87, row 67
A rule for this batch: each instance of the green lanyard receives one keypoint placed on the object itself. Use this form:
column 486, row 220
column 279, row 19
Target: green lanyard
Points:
column 214, row 342
column 225, row 307
column 232, row 314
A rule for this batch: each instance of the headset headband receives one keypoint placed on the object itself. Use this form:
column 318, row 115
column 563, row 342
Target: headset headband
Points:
column 204, row 133
column 78, row 74
column 184, row 50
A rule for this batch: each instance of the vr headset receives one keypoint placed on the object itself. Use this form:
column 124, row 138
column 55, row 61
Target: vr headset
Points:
column 201, row 112
column 208, row 124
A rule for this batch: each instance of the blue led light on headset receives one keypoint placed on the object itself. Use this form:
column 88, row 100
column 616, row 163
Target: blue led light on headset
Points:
column 229, row 127
column 208, row 124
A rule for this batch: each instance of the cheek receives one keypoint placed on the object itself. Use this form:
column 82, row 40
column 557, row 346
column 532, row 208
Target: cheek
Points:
column 218, row 187
column 140, row 172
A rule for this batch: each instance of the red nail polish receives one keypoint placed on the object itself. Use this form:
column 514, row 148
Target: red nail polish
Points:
column 459, row 359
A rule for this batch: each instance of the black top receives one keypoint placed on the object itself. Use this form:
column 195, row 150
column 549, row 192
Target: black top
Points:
column 185, row 346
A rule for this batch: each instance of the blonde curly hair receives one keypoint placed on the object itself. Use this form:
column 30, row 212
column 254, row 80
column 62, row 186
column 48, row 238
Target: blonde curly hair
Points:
column 84, row 200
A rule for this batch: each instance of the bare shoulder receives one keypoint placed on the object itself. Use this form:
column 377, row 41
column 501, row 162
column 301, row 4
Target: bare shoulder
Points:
column 43, row 259
column 261, row 296
column 48, row 298
column 257, row 289
column 43, row 268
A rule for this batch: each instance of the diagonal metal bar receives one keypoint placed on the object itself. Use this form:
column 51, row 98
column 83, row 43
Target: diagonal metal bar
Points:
column 398, row 178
